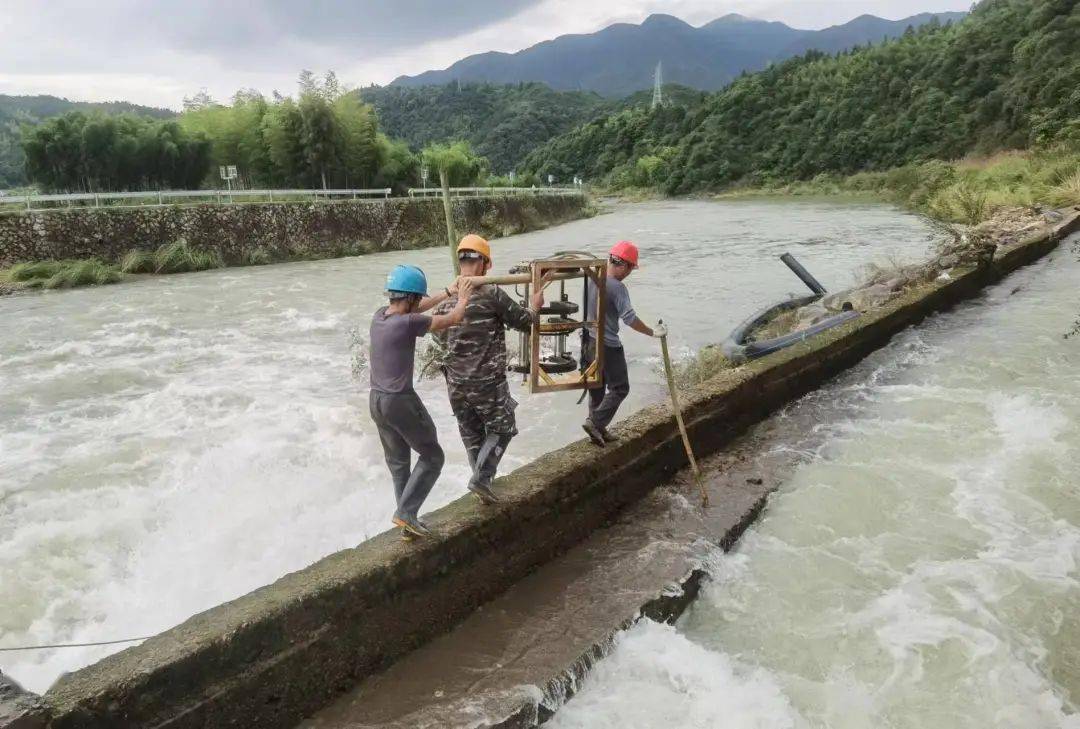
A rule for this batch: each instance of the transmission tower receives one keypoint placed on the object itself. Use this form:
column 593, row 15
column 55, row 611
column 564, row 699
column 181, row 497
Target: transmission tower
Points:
column 658, row 85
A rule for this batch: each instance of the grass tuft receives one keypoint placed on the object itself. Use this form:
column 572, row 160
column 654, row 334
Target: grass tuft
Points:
column 36, row 271
column 1066, row 192
column 63, row 274
column 179, row 257
column 700, row 367
column 83, row 273
column 138, row 262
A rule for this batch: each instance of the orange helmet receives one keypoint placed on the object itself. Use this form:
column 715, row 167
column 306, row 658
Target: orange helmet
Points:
column 476, row 244
column 626, row 251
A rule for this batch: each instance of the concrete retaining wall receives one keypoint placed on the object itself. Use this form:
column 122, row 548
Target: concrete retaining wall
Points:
column 281, row 230
column 275, row 655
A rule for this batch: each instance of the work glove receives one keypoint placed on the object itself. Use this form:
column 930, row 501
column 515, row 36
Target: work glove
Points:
column 659, row 330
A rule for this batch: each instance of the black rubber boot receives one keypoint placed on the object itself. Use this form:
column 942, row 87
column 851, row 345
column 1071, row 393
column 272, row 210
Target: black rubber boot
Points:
column 483, row 492
column 595, row 434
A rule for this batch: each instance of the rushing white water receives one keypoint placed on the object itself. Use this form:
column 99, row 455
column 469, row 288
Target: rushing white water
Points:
column 919, row 570
column 175, row 442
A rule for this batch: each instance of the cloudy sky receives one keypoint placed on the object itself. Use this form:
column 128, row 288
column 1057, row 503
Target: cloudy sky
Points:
column 155, row 53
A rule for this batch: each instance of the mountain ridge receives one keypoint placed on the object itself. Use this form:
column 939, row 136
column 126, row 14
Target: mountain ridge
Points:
column 707, row 57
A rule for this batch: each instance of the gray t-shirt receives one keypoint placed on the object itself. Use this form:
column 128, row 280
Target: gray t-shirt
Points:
column 618, row 307
column 393, row 349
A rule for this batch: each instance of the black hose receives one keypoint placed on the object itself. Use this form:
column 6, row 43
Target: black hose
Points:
column 797, row 268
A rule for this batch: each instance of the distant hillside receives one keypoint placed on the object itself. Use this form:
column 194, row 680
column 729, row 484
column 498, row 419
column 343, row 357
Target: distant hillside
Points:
column 503, row 123
column 621, row 58
column 15, row 111
column 1003, row 78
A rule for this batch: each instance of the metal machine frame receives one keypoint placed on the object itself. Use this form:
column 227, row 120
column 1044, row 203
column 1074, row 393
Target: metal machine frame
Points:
column 544, row 273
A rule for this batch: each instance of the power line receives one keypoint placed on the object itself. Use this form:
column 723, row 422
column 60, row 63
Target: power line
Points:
column 73, row 645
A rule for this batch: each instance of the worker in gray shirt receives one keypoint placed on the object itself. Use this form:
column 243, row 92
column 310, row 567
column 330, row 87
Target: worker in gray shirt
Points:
column 604, row 401
column 402, row 420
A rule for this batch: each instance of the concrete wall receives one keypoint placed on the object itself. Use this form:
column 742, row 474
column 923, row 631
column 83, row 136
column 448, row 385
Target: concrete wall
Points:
column 275, row 655
column 284, row 230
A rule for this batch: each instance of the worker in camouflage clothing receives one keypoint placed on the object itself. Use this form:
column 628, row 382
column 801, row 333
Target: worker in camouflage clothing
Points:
column 475, row 366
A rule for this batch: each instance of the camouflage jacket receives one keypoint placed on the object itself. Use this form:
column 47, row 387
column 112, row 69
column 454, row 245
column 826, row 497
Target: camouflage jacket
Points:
column 475, row 350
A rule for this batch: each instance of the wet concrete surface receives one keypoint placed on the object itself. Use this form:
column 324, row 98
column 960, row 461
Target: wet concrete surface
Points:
column 517, row 659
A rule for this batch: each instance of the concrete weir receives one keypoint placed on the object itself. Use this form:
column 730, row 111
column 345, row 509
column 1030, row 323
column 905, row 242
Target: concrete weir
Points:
column 331, row 641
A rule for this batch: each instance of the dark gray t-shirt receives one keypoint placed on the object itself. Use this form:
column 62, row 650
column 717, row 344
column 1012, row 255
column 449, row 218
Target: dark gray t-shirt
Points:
column 617, row 308
column 393, row 349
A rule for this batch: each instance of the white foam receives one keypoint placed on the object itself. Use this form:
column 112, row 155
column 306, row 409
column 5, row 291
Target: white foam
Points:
column 656, row 677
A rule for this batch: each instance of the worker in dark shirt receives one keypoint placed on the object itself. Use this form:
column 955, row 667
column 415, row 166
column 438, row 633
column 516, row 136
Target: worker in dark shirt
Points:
column 604, row 401
column 475, row 366
column 402, row 420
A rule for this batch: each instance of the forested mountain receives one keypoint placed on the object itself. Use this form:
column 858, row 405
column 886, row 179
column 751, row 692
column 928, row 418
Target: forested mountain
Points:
column 503, row 123
column 621, row 58
column 1008, row 76
column 16, row 111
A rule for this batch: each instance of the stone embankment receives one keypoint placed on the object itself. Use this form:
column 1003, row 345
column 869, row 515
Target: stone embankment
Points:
column 283, row 652
column 243, row 233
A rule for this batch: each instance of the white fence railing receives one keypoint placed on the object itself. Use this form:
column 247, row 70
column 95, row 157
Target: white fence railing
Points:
column 179, row 197
column 174, row 197
column 495, row 191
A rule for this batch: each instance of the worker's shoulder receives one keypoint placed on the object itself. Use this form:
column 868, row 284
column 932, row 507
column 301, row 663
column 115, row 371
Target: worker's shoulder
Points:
column 615, row 287
column 490, row 296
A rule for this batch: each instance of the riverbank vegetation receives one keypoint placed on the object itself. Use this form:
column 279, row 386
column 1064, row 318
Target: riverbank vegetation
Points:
column 95, row 152
column 18, row 113
column 324, row 138
column 60, row 274
column 175, row 257
column 1004, row 78
column 968, row 191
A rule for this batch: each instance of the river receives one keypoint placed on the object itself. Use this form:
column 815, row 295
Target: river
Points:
column 174, row 442
column 919, row 566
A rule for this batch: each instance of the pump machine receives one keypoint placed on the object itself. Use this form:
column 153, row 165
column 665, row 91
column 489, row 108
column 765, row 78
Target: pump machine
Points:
column 544, row 357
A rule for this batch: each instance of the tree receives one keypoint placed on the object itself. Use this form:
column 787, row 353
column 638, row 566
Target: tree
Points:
column 320, row 135
column 80, row 152
column 398, row 167
column 358, row 130
column 282, row 130
column 200, row 100
column 455, row 163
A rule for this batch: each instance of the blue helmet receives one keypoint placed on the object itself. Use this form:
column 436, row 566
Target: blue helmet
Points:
column 406, row 280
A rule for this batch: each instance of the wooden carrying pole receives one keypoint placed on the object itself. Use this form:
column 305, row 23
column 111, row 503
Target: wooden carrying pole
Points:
column 508, row 279
column 679, row 419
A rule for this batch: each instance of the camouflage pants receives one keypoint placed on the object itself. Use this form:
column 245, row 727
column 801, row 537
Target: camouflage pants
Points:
column 484, row 411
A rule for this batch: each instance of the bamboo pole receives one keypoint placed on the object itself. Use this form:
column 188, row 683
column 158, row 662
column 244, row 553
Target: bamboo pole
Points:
column 507, row 279
column 444, row 180
column 679, row 419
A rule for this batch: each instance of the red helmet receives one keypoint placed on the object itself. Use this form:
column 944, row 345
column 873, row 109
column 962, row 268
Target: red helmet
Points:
column 626, row 251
